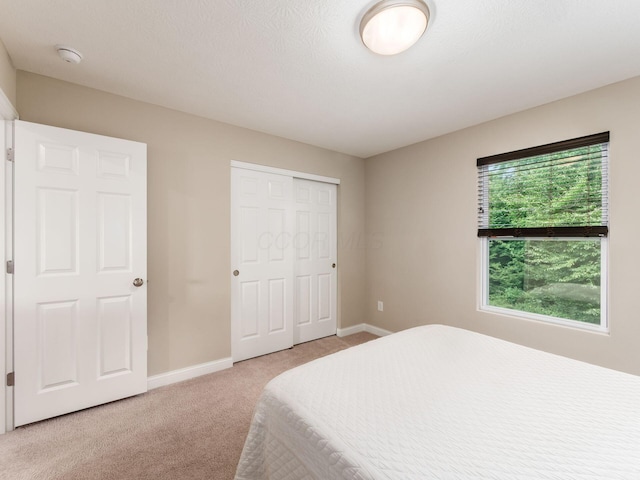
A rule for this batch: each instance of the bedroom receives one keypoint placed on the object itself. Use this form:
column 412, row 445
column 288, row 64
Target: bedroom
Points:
column 423, row 264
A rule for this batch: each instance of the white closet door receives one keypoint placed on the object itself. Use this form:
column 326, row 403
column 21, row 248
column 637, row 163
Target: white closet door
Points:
column 315, row 245
column 80, row 335
column 262, row 263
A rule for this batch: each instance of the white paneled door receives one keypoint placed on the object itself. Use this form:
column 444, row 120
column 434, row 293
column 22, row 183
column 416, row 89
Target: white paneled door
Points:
column 261, row 256
column 80, row 301
column 315, row 248
column 283, row 256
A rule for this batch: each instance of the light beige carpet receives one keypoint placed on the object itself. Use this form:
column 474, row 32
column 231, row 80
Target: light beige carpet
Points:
column 190, row 430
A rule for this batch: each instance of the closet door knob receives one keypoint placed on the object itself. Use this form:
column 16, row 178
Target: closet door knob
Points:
column 138, row 282
column 236, row 273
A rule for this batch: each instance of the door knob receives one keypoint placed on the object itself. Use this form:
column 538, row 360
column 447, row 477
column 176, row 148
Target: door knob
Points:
column 333, row 265
column 138, row 282
column 236, row 273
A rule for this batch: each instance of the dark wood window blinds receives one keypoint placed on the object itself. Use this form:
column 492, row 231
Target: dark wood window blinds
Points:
column 554, row 190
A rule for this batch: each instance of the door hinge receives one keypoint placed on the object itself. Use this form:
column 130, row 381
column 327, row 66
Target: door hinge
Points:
column 10, row 267
column 11, row 379
column 10, row 154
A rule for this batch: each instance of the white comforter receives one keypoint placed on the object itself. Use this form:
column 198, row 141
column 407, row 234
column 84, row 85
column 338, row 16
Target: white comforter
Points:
column 437, row 402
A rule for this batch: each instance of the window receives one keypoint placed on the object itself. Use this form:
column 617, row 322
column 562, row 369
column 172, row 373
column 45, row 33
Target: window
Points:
column 543, row 222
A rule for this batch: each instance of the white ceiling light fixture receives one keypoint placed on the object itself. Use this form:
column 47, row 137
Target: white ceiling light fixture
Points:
column 392, row 26
column 68, row 54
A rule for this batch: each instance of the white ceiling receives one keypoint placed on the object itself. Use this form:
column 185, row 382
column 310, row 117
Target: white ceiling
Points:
column 297, row 68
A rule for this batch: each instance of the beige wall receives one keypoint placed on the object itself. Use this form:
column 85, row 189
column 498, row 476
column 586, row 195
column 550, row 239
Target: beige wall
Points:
column 422, row 258
column 188, row 213
column 421, row 209
column 7, row 75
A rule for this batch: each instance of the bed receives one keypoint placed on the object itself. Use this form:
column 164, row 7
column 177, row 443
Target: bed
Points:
column 438, row 402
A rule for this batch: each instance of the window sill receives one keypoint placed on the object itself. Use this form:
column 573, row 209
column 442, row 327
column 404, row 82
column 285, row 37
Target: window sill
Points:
column 575, row 324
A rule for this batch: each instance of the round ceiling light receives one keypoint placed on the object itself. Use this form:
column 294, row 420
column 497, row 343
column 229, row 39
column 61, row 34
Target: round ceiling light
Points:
column 392, row 26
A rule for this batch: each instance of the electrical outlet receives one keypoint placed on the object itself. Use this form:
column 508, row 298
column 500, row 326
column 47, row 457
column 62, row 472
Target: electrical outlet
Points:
column 380, row 306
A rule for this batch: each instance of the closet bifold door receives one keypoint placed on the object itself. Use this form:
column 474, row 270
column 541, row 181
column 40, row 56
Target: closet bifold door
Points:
column 315, row 249
column 262, row 263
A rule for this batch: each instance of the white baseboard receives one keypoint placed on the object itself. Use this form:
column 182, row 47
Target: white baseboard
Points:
column 181, row 374
column 363, row 327
column 381, row 332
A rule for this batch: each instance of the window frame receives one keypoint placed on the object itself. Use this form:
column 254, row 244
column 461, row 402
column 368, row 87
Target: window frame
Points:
column 484, row 305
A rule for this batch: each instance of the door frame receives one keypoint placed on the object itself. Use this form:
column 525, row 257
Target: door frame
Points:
column 8, row 113
column 280, row 171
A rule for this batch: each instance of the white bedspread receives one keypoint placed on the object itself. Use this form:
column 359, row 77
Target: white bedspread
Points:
column 437, row 402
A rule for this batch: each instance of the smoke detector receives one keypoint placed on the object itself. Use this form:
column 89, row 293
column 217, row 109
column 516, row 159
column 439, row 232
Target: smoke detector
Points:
column 68, row 54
